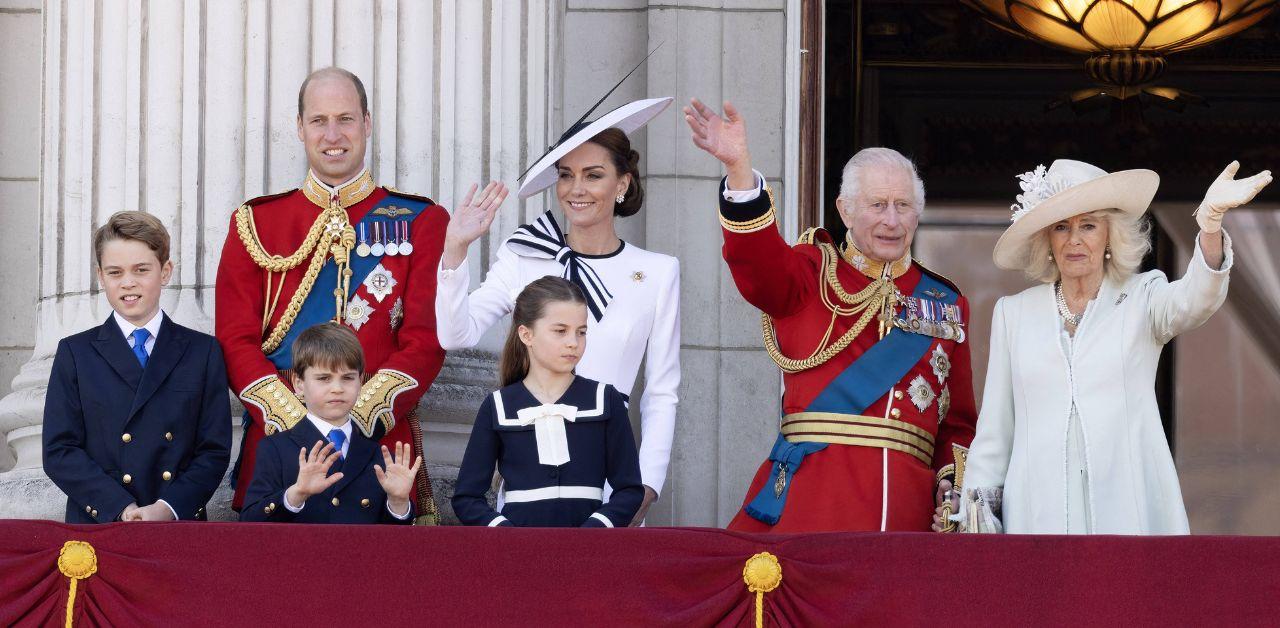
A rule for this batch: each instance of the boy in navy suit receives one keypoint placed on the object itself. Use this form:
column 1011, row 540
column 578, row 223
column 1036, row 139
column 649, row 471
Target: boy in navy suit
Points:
column 321, row 470
column 137, row 422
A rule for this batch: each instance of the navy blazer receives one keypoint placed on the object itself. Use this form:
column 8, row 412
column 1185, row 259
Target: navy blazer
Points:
column 601, row 447
column 115, row 433
column 356, row 498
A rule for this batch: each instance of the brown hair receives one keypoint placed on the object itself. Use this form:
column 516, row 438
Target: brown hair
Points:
column 327, row 344
column 626, row 161
column 133, row 225
column 530, row 306
column 334, row 70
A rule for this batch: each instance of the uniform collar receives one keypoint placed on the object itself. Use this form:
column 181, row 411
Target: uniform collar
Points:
column 349, row 193
column 152, row 326
column 873, row 268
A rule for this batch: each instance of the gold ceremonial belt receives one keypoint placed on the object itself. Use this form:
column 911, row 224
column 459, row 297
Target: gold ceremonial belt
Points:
column 858, row 430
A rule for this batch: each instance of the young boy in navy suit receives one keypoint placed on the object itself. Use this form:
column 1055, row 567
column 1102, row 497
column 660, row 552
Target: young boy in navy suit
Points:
column 137, row 421
column 321, row 470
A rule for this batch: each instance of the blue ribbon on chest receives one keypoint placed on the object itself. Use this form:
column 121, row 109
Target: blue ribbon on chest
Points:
column 318, row 306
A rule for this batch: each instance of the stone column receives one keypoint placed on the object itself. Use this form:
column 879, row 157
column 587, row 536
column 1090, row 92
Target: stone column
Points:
column 185, row 109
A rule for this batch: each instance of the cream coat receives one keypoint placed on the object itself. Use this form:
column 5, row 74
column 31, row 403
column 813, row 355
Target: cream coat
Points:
column 1021, row 440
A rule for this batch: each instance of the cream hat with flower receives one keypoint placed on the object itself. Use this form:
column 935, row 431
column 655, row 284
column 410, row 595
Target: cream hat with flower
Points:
column 1068, row 188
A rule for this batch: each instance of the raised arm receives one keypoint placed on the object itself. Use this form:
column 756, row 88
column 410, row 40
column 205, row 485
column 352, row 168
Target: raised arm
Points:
column 770, row 275
column 1179, row 306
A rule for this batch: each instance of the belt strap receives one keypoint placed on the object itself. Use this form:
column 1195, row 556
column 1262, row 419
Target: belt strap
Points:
column 860, row 431
column 555, row 492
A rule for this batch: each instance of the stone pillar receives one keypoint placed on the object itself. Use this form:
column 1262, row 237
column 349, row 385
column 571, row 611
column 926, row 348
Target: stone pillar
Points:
column 185, row 109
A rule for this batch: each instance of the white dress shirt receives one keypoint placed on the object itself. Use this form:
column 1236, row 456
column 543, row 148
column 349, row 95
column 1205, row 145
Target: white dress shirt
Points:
column 152, row 327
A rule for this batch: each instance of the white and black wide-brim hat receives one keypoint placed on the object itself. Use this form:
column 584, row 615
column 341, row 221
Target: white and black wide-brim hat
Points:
column 627, row 118
column 1069, row 188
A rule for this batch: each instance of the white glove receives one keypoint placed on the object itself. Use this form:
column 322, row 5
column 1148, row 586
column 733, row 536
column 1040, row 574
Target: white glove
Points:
column 1226, row 192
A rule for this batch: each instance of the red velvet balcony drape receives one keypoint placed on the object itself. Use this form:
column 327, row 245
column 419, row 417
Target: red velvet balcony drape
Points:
column 258, row 574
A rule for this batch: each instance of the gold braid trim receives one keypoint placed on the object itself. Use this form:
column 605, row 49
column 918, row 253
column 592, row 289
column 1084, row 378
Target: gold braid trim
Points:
column 333, row 225
column 878, row 298
column 281, row 409
column 248, row 232
column 377, row 397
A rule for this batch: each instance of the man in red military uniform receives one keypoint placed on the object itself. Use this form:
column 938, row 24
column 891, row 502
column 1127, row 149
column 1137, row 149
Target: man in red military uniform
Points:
column 872, row 345
column 342, row 249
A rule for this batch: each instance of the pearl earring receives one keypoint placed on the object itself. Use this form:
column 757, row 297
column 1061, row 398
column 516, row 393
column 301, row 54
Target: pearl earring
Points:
column 1051, row 257
column 1108, row 253
column 620, row 198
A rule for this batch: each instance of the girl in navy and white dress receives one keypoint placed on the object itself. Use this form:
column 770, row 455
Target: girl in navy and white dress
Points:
column 633, row 295
column 555, row 437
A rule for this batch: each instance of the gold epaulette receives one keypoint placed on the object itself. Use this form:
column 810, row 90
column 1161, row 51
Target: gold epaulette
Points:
column 755, row 224
column 808, row 236
column 377, row 397
column 281, row 410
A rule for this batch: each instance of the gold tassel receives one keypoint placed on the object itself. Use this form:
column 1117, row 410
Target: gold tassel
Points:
column 762, row 573
column 77, row 561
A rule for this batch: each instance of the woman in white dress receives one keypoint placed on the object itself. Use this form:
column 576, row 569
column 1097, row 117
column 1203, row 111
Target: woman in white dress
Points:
column 633, row 295
column 1069, row 438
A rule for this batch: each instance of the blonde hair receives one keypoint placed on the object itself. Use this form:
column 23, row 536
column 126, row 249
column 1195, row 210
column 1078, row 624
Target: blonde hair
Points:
column 1128, row 237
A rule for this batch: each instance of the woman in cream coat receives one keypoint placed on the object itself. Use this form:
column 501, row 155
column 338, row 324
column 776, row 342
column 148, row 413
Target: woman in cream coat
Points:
column 1069, row 439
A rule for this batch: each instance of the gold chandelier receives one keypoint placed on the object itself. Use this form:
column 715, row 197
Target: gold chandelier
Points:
column 1127, row 40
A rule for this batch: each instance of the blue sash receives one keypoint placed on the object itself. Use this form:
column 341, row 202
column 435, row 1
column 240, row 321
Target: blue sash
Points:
column 318, row 306
column 851, row 392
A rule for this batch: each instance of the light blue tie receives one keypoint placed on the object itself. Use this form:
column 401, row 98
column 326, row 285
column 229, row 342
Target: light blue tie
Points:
column 140, row 336
column 338, row 439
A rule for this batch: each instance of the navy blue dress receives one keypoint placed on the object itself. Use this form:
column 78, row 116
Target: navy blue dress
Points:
column 600, row 446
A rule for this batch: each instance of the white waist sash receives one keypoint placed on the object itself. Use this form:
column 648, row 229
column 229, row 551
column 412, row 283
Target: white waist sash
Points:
column 555, row 492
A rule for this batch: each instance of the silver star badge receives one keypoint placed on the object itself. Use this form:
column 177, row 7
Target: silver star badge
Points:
column 358, row 312
column 941, row 364
column 921, row 394
column 379, row 283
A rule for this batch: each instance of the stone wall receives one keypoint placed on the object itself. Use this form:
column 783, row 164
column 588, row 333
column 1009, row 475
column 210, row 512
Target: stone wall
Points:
column 184, row 109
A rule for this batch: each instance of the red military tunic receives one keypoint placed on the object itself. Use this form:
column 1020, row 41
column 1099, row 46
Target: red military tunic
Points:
column 846, row 486
column 397, row 331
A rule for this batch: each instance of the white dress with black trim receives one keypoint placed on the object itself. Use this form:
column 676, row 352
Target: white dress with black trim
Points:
column 640, row 315
column 554, row 459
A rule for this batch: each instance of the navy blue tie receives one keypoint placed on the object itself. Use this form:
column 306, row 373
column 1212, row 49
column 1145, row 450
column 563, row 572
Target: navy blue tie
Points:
column 140, row 336
column 337, row 437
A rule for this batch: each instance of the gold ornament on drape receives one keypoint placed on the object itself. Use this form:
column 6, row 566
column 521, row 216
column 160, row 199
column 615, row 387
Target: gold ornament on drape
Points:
column 762, row 573
column 77, row 561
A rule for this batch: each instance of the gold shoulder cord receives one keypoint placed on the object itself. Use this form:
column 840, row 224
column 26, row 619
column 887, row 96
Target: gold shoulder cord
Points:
column 877, row 298
column 333, row 224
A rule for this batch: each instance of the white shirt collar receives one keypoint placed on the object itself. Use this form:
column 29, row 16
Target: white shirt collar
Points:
column 333, row 189
column 324, row 426
column 152, row 326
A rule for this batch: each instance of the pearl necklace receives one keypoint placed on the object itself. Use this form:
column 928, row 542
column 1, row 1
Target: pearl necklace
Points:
column 1064, row 311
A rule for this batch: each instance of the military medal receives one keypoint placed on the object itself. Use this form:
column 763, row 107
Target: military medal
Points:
column 358, row 312
column 379, row 283
column 921, row 393
column 378, row 248
column 928, row 317
column 397, row 313
column 781, row 482
column 406, row 246
column 941, row 364
column 393, row 239
column 362, row 249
